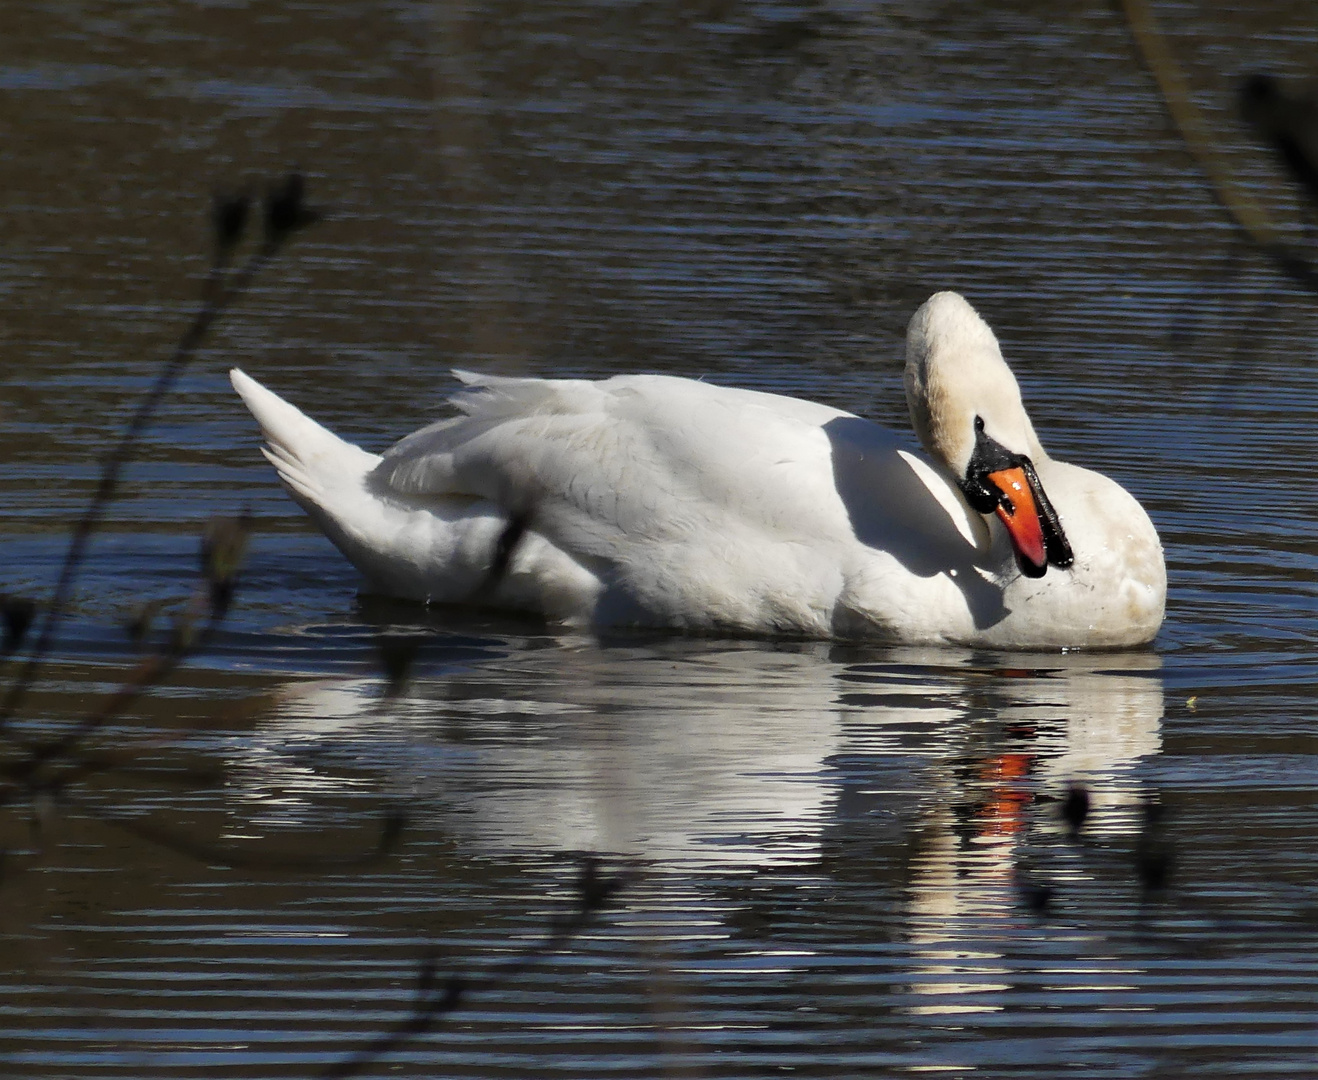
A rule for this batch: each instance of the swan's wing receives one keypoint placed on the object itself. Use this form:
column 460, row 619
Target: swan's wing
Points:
column 656, row 458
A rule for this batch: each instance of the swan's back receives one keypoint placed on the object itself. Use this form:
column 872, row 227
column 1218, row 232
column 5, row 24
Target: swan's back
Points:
column 648, row 457
column 695, row 505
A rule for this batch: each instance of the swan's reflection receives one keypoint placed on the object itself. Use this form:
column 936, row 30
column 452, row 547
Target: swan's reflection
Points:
column 1075, row 726
column 673, row 755
column 698, row 754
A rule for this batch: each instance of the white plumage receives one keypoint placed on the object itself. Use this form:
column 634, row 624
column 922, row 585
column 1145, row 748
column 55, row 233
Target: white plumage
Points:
column 659, row 501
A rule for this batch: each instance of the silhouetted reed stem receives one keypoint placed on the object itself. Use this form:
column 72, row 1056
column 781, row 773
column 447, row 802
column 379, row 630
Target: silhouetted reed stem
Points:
column 437, row 1000
column 1197, row 134
column 285, row 212
column 218, row 295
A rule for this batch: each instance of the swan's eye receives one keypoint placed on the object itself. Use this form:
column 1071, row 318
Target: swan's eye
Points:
column 979, row 423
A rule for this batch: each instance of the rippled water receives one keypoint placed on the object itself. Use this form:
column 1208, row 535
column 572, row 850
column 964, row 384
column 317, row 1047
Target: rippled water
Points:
column 841, row 860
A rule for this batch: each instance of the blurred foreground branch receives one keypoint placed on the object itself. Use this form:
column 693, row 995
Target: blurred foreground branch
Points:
column 436, row 999
column 1197, row 134
column 41, row 773
column 285, row 212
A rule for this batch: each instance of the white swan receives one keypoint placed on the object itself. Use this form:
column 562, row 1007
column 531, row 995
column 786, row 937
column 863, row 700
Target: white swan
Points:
column 658, row 501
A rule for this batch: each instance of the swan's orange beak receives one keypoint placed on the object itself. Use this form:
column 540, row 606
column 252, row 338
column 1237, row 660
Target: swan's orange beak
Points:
column 1005, row 483
column 1018, row 510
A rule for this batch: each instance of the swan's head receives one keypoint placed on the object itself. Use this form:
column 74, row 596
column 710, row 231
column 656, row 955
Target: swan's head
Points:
column 966, row 408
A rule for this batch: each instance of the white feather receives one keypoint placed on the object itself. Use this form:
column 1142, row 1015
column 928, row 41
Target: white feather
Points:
column 652, row 500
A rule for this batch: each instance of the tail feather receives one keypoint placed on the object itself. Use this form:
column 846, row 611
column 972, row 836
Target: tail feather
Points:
column 443, row 547
column 311, row 460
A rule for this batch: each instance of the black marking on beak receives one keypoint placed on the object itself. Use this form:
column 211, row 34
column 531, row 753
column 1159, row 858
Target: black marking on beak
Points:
column 1055, row 542
column 987, row 497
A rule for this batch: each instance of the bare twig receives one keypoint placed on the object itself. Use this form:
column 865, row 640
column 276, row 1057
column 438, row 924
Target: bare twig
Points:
column 1197, row 134
column 285, row 212
column 436, row 1000
column 46, row 770
column 223, row 545
column 149, row 672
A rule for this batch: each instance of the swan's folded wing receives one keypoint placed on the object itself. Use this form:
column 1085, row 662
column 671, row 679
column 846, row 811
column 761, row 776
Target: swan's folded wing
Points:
column 528, row 445
column 653, row 458
column 642, row 456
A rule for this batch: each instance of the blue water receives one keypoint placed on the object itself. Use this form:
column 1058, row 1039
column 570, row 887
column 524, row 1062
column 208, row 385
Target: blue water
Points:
column 840, row 860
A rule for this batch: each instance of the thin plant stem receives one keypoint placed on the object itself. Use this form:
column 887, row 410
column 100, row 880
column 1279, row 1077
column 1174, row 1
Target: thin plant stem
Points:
column 1197, row 134
column 218, row 294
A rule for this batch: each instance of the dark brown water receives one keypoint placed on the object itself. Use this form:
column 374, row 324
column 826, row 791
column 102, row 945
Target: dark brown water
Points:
column 850, row 861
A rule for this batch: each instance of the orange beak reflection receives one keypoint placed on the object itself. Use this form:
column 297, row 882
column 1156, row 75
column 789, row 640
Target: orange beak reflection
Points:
column 1019, row 512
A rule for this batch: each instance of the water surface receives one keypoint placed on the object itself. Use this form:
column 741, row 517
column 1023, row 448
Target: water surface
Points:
column 844, row 860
